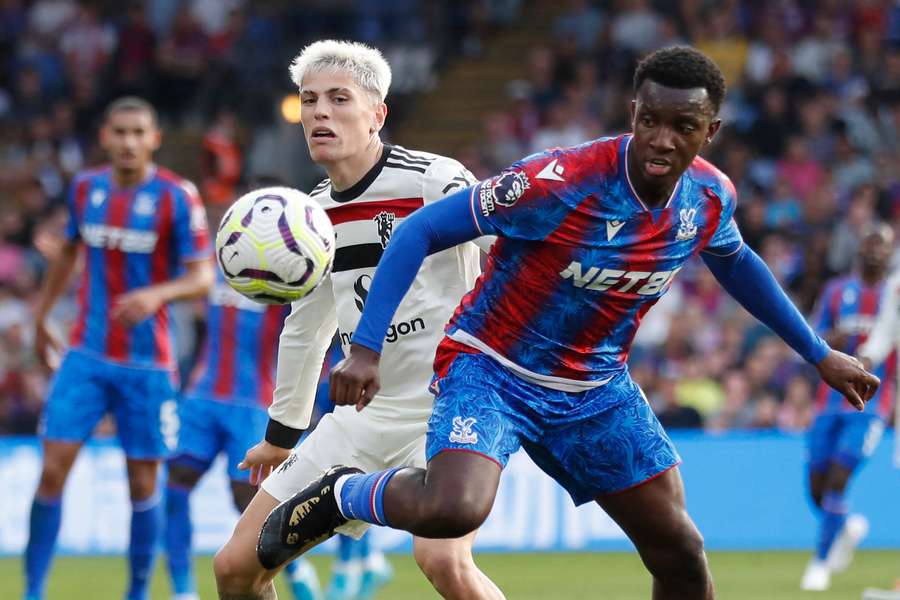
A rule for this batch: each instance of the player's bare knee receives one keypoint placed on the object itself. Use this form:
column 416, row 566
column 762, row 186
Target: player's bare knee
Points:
column 242, row 493
column 141, row 487
column 183, row 476
column 53, row 479
column 459, row 516
column 435, row 561
column 232, row 571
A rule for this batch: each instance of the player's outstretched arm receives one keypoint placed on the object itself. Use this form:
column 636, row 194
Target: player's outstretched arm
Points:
column 47, row 345
column 430, row 229
column 746, row 277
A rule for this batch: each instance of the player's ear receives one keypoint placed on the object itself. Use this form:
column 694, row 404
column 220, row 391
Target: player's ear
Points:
column 713, row 128
column 379, row 117
column 104, row 136
column 157, row 138
column 631, row 109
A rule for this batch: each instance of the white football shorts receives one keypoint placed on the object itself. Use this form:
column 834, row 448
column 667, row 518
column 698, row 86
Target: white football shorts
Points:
column 350, row 438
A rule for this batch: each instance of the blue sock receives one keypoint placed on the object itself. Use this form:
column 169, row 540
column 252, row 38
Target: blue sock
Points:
column 291, row 567
column 834, row 514
column 46, row 516
column 362, row 547
column 345, row 548
column 178, row 539
column 145, row 524
column 362, row 496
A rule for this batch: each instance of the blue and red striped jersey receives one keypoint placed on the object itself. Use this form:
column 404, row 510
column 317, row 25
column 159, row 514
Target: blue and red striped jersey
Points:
column 850, row 306
column 580, row 259
column 133, row 238
column 239, row 355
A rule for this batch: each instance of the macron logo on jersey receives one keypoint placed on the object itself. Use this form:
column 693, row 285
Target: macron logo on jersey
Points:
column 612, row 228
column 553, row 171
column 601, row 280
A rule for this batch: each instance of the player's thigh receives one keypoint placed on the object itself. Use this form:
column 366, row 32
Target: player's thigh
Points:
column 243, row 428
column 620, row 447
column 859, row 437
column 821, row 444
column 653, row 514
column 77, row 400
column 146, row 413
column 238, row 556
column 58, row 458
column 472, row 412
column 199, row 440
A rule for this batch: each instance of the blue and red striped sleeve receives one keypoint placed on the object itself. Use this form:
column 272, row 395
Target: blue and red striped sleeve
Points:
column 191, row 232
column 727, row 238
column 76, row 199
column 528, row 200
column 823, row 319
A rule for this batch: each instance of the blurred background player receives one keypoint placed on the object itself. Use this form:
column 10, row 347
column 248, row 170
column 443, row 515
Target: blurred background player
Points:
column 881, row 346
column 841, row 439
column 224, row 410
column 143, row 233
column 371, row 188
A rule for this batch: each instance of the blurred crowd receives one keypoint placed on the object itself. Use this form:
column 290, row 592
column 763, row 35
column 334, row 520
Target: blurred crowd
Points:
column 810, row 139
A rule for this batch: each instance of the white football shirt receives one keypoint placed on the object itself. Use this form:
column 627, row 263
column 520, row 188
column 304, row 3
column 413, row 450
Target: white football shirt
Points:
column 364, row 216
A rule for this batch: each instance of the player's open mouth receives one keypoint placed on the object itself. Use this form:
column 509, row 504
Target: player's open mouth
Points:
column 657, row 167
column 322, row 133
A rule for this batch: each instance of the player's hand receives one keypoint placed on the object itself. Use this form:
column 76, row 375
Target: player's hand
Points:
column 261, row 459
column 354, row 380
column 135, row 306
column 848, row 376
column 47, row 345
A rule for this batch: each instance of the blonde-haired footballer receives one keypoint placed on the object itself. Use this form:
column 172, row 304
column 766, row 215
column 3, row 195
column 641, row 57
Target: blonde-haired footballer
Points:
column 371, row 188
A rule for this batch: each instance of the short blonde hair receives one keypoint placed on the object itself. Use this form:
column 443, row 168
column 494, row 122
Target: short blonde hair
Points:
column 365, row 64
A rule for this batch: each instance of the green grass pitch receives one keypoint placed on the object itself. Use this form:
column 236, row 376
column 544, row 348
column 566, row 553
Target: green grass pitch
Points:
column 563, row 576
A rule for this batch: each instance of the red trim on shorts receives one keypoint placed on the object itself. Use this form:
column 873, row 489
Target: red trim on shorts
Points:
column 490, row 458
column 640, row 483
column 446, row 353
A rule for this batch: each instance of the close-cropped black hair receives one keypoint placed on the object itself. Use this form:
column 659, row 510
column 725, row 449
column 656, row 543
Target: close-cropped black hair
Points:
column 682, row 67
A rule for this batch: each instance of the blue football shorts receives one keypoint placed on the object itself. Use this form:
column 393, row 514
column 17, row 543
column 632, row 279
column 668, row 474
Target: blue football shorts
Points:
column 593, row 443
column 845, row 438
column 209, row 427
column 142, row 401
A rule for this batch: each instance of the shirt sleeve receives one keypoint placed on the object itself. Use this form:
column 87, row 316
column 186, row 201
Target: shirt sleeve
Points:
column 304, row 341
column 528, row 200
column 823, row 313
column 78, row 186
column 446, row 176
column 191, row 232
column 727, row 238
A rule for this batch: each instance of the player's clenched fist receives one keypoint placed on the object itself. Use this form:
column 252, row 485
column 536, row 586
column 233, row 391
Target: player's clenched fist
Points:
column 848, row 376
column 355, row 379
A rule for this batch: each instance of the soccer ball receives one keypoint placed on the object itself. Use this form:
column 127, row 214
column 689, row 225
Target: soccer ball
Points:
column 275, row 245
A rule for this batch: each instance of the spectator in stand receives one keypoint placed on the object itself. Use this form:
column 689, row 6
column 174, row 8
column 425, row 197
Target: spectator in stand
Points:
column 222, row 159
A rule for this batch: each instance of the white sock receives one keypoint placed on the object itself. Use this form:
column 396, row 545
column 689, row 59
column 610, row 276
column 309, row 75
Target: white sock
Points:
column 338, row 487
column 376, row 561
